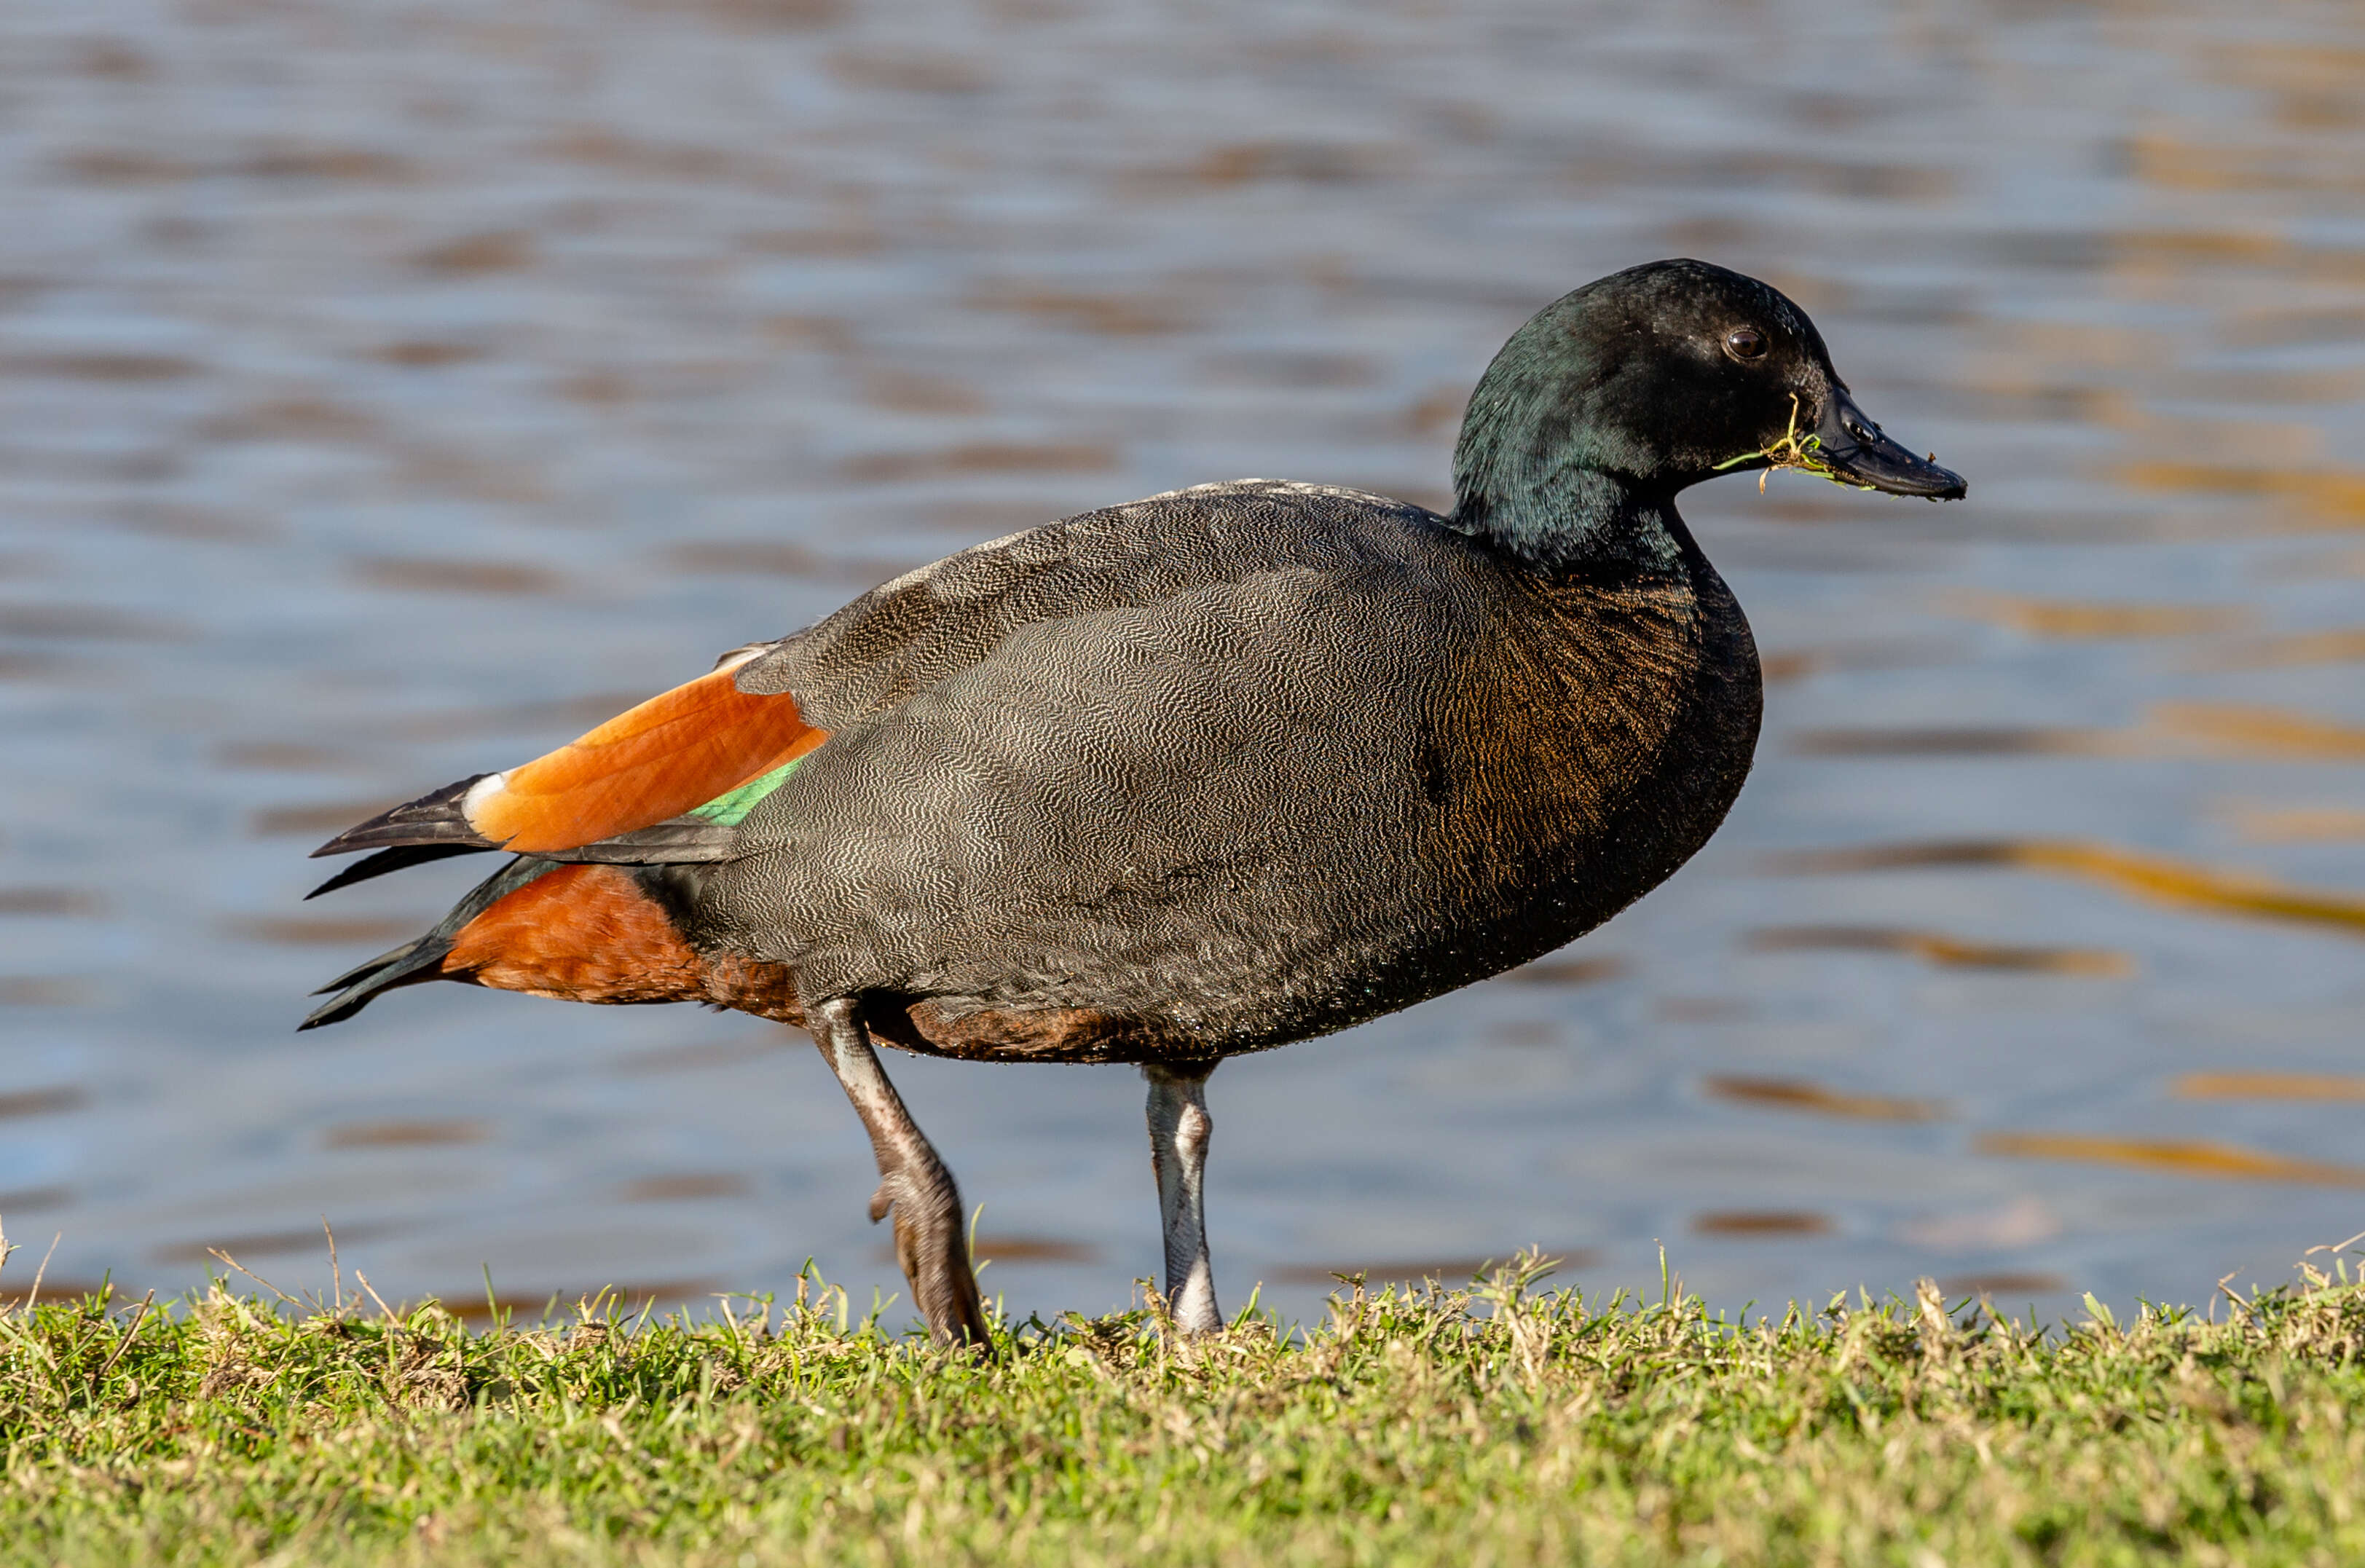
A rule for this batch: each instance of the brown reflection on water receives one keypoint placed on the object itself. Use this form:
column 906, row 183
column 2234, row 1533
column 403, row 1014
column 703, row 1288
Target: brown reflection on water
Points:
column 41, row 1102
column 981, row 458
column 905, row 392
column 1702, row 1009
column 2178, row 1157
column 90, row 623
column 1588, row 970
column 98, row 365
column 1634, row 164
column 1830, row 658
column 1753, row 1224
column 2309, row 326
column 2269, row 1086
column 60, row 1289
column 1265, row 368
column 2274, row 825
column 415, row 1133
column 306, row 420
column 2344, row 645
column 2096, row 620
column 493, row 251
column 2233, row 731
column 309, row 822
column 180, row 520
column 1103, row 314
column 684, row 1187
column 15, row 666
column 1958, row 740
column 2153, row 878
column 2238, row 730
column 45, row 990
column 1795, row 1095
column 1935, row 948
column 423, row 353
column 427, row 575
column 55, row 903
column 2002, row 1283
column 776, row 559
column 2303, row 498
column 2256, row 386
column 286, row 757
column 731, row 557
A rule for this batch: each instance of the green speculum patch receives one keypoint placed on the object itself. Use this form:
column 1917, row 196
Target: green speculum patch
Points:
column 729, row 809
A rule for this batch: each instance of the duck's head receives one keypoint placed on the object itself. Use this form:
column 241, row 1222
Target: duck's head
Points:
column 1656, row 378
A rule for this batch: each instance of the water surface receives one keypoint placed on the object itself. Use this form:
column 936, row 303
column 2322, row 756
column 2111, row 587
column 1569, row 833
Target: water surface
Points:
column 389, row 392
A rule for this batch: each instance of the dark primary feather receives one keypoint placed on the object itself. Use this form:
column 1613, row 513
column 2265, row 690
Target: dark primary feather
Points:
column 400, row 857
column 431, row 818
column 420, row 958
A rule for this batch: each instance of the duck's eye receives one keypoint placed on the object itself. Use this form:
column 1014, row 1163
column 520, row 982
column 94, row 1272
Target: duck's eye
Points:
column 1745, row 343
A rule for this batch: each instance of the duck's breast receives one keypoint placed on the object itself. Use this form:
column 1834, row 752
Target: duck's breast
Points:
column 1604, row 750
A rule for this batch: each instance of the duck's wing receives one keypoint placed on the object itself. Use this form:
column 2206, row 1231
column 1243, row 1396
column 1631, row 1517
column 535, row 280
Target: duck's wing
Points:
column 631, row 789
column 911, row 634
column 670, row 780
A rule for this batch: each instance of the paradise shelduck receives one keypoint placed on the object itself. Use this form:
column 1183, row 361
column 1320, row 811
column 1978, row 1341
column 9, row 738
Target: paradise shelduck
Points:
column 1203, row 774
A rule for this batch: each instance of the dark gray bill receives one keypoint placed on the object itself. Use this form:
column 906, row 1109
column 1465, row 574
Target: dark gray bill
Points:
column 1863, row 454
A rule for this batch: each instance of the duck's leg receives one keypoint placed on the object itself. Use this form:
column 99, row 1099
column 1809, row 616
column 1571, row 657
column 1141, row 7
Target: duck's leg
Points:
column 912, row 1181
column 1179, row 1128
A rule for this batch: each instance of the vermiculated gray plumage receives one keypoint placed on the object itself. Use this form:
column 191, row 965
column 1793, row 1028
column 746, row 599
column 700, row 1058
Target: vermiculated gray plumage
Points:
column 1224, row 768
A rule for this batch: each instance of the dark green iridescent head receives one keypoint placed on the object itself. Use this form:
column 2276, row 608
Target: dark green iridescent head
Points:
column 1614, row 397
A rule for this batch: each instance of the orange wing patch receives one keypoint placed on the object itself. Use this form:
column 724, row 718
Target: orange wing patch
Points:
column 579, row 934
column 673, row 752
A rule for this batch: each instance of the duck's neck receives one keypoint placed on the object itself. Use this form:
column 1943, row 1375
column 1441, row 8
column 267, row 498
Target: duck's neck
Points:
column 1572, row 521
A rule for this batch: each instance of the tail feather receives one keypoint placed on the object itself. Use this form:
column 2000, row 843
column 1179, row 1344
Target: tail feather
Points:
column 625, row 813
column 401, row 857
column 423, row 957
column 437, row 819
column 368, row 967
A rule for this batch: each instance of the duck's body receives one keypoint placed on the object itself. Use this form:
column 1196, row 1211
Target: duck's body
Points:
column 1201, row 775
column 1224, row 769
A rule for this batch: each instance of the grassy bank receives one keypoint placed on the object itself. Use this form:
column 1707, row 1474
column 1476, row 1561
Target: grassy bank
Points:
column 1507, row 1424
